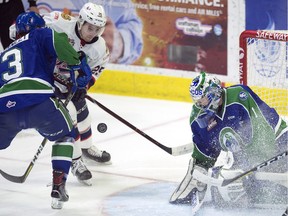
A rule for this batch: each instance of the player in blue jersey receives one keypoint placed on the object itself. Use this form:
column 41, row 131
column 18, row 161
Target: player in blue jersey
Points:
column 233, row 120
column 27, row 93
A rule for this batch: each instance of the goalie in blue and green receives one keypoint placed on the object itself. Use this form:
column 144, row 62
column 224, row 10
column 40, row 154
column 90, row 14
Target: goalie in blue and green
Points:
column 27, row 98
column 233, row 119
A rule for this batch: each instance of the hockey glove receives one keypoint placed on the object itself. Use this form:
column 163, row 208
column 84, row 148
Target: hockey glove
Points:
column 79, row 95
column 85, row 74
column 81, row 74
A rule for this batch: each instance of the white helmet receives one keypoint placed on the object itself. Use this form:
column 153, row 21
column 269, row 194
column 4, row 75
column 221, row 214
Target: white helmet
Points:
column 206, row 86
column 93, row 14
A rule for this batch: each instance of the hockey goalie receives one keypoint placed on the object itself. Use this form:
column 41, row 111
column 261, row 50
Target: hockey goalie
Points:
column 236, row 124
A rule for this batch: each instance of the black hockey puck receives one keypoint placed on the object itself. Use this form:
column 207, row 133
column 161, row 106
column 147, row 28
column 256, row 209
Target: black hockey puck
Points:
column 102, row 127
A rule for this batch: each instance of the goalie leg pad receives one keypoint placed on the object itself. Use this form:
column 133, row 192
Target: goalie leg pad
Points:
column 189, row 189
column 253, row 191
column 181, row 194
column 232, row 195
column 265, row 192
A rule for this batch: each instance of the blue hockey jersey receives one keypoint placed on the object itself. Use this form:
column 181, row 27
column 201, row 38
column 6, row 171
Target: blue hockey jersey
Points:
column 27, row 66
column 244, row 125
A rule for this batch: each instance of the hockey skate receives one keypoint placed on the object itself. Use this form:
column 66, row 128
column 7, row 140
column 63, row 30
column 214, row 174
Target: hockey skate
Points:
column 79, row 170
column 94, row 154
column 58, row 194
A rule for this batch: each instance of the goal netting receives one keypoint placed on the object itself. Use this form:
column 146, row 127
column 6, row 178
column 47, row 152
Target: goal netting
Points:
column 264, row 66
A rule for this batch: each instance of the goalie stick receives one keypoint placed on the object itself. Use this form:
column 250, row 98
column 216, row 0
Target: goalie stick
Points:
column 210, row 181
column 224, row 182
column 175, row 151
column 21, row 179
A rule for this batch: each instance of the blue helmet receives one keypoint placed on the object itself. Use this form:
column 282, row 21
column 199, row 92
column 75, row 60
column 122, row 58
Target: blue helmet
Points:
column 28, row 21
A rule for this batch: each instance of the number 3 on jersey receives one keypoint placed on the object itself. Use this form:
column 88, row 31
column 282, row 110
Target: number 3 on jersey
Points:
column 15, row 68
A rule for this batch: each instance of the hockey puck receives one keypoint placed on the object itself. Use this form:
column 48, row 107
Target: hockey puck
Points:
column 102, row 127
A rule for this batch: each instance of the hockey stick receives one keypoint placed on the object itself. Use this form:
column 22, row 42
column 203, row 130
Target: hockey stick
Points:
column 21, row 179
column 175, row 151
column 224, row 182
column 278, row 178
column 256, row 168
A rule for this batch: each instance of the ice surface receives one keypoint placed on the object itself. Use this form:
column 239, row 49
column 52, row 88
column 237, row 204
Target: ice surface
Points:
column 139, row 181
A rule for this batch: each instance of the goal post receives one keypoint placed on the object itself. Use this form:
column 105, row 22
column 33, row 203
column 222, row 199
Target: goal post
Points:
column 263, row 60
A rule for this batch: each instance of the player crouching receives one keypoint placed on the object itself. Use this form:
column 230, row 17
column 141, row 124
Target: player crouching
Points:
column 236, row 121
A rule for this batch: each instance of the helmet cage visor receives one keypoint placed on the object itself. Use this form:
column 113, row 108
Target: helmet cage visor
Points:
column 206, row 92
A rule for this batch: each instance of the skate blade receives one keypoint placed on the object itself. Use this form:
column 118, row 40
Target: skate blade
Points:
column 89, row 161
column 56, row 204
column 85, row 182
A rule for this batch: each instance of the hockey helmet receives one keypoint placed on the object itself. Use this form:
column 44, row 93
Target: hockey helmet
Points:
column 28, row 21
column 93, row 14
column 208, row 87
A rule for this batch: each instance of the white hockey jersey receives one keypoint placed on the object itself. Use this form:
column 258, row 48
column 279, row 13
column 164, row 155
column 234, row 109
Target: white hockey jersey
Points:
column 96, row 51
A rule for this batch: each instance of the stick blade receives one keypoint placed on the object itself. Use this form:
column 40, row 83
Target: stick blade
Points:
column 15, row 179
column 184, row 149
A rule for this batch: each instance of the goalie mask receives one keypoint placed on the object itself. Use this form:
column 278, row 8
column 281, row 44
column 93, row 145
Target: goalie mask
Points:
column 206, row 92
column 27, row 22
column 93, row 14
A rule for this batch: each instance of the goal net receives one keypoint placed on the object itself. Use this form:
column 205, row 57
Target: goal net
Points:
column 264, row 66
